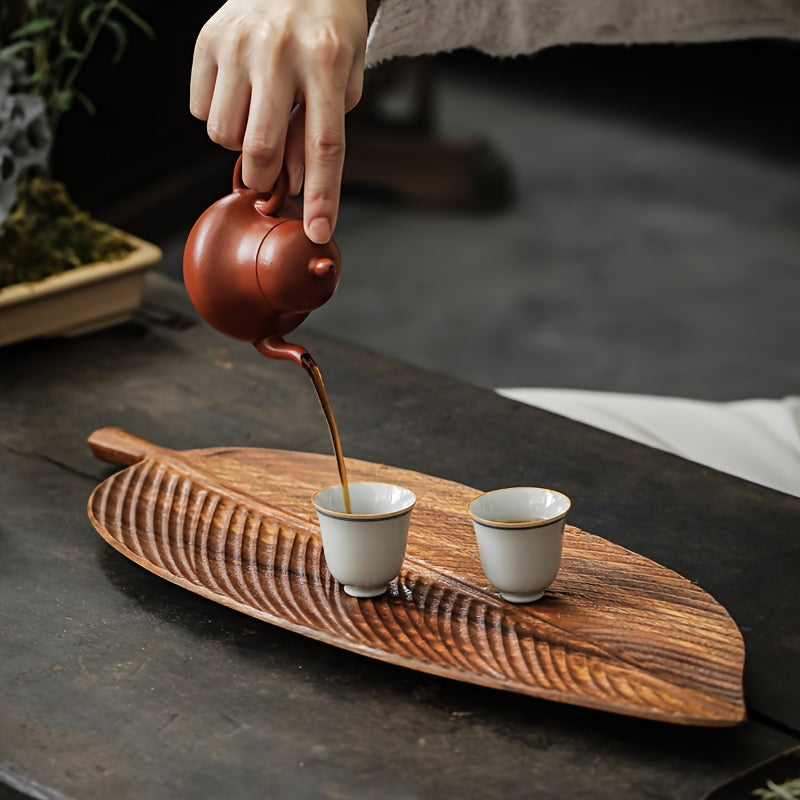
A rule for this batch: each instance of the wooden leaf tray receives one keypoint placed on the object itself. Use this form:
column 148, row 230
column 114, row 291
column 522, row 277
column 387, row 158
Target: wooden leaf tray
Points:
column 615, row 631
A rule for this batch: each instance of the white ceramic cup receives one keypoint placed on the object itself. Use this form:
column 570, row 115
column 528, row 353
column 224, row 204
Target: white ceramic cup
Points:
column 520, row 531
column 364, row 549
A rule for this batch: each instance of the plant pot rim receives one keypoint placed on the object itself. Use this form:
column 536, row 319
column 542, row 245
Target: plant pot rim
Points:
column 141, row 257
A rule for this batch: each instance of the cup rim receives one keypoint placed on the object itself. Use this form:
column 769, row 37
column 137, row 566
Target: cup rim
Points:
column 328, row 512
column 524, row 524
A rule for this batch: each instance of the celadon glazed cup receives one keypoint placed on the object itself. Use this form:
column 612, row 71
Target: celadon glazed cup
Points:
column 520, row 531
column 364, row 549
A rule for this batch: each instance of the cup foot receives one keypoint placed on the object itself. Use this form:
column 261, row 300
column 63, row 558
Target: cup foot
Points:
column 514, row 597
column 364, row 591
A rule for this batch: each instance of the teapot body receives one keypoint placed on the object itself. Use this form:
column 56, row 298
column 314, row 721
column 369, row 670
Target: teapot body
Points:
column 249, row 268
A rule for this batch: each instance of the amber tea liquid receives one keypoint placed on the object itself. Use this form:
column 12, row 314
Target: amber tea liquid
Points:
column 316, row 378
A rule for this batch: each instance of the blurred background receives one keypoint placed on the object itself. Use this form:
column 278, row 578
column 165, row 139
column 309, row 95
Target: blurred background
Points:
column 613, row 218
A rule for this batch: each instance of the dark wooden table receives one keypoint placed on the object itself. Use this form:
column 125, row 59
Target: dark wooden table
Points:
column 115, row 683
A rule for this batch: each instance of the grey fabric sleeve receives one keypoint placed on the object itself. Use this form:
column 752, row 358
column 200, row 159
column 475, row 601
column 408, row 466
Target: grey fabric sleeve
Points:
column 516, row 27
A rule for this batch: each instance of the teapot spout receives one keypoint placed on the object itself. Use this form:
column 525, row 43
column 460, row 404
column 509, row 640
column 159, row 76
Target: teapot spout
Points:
column 276, row 347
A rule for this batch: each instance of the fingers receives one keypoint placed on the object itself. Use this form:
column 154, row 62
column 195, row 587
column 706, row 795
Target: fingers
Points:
column 324, row 155
column 219, row 89
column 355, row 83
column 295, row 151
column 227, row 115
column 241, row 118
column 294, row 154
column 256, row 60
column 266, row 130
column 333, row 84
column 203, row 79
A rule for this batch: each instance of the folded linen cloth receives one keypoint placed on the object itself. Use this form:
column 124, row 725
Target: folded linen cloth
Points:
column 758, row 440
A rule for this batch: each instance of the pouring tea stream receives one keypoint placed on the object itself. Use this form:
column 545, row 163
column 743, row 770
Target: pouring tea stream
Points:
column 253, row 274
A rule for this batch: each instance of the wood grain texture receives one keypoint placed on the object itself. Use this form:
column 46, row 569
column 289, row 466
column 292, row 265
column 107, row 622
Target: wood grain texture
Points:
column 615, row 631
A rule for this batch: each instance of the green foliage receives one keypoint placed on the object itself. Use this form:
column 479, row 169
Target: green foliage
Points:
column 46, row 233
column 45, row 44
column 54, row 38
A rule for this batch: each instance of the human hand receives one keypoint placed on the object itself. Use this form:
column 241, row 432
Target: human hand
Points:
column 274, row 79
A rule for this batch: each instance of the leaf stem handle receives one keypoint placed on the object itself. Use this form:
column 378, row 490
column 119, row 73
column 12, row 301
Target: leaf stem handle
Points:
column 118, row 447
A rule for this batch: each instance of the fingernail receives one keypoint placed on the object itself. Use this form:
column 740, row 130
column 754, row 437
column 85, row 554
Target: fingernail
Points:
column 319, row 230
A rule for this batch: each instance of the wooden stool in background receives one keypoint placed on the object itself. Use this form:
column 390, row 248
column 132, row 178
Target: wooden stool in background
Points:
column 394, row 151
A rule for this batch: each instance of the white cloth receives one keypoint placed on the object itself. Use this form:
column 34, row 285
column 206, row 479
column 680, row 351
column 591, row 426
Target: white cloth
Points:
column 758, row 440
column 515, row 27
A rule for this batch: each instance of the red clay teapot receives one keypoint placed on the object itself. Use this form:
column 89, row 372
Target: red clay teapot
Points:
column 251, row 271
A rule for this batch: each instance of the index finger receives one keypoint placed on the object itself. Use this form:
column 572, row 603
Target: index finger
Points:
column 324, row 159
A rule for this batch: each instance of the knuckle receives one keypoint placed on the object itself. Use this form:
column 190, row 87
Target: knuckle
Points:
column 212, row 36
column 267, row 33
column 198, row 109
column 241, row 30
column 237, row 45
column 240, row 37
column 328, row 145
column 257, row 181
column 222, row 135
column 320, row 200
column 204, row 44
column 330, row 52
column 261, row 149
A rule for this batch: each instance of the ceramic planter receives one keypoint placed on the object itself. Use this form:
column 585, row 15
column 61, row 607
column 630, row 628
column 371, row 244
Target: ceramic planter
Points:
column 79, row 300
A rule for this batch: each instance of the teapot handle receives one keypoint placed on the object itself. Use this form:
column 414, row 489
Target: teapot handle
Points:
column 271, row 202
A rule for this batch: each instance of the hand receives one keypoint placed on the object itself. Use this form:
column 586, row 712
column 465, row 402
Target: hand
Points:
column 274, row 79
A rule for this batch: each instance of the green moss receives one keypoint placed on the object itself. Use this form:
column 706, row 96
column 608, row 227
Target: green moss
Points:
column 46, row 233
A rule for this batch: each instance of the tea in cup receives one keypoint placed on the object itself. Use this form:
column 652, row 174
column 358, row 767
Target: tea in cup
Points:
column 364, row 548
column 520, row 531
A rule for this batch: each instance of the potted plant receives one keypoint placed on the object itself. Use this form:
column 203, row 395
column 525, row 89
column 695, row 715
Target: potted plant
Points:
column 61, row 271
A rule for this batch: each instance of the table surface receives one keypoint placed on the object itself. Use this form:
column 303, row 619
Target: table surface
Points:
column 115, row 683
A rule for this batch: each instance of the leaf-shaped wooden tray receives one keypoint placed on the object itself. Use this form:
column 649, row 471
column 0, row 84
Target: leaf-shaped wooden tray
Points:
column 615, row 631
